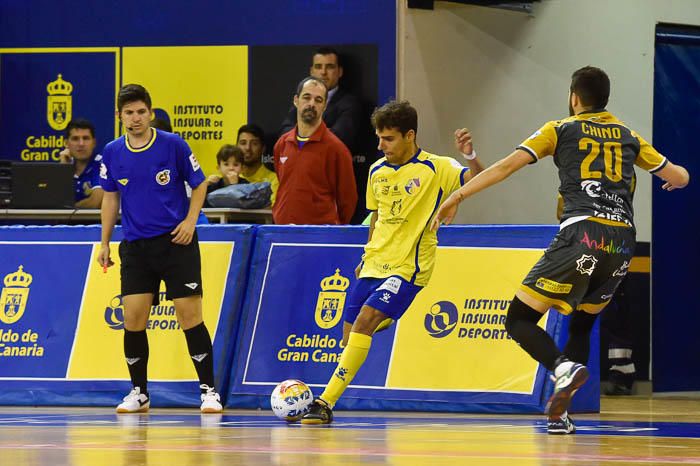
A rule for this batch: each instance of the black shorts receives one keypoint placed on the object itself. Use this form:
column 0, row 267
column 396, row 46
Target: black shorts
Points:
column 582, row 267
column 145, row 262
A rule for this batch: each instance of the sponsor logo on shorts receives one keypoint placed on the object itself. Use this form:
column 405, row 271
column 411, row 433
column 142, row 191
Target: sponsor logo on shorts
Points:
column 392, row 284
column 552, row 286
column 586, row 264
column 385, row 297
column 622, row 270
column 601, row 245
column 192, row 286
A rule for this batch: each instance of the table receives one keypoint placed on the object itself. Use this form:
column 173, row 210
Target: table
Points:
column 216, row 215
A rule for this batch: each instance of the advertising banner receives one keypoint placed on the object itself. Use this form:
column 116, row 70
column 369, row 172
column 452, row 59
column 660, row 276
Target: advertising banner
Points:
column 201, row 91
column 61, row 318
column 41, row 90
column 450, row 351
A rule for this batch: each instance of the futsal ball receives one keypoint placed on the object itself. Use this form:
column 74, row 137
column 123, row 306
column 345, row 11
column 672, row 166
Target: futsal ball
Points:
column 291, row 399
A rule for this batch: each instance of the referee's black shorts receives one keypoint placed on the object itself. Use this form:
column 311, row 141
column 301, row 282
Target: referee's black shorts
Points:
column 145, row 262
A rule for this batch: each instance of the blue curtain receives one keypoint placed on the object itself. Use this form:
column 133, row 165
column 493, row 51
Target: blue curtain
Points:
column 675, row 250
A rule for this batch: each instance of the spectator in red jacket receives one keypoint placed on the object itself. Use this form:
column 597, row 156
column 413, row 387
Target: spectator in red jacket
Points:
column 317, row 183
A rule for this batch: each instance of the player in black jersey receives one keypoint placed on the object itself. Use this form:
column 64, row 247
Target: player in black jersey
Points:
column 595, row 154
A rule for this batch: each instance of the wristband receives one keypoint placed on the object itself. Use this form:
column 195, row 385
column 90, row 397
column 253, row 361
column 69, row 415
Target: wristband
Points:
column 471, row 156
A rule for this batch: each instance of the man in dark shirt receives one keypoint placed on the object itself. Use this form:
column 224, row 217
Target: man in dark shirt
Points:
column 343, row 112
column 80, row 145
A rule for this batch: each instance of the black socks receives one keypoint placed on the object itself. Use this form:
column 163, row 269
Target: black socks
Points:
column 136, row 353
column 199, row 346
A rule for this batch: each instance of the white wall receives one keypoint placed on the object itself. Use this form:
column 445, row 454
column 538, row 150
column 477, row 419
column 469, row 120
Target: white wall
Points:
column 504, row 73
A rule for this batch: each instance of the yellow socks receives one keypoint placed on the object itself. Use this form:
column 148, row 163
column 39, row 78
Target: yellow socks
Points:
column 351, row 360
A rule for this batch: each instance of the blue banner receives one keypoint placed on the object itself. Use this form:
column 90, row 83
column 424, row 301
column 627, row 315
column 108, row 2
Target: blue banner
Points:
column 42, row 91
column 292, row 324
column 61, row 318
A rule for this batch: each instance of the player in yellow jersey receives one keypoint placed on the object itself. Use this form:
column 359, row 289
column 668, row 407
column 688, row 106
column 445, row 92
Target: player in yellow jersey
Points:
column 595, row 154
column 404, row 189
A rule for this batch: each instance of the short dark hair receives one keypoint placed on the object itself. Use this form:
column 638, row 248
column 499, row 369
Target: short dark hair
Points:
column 227, row 151
column 132, row 93
column 592, row 86
column 396, row 114
column 161, row 124
column 325, row 50
column 253, row 129
column 301, row 84
column 80, row 123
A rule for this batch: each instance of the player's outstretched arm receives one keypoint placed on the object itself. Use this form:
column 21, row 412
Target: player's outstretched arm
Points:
column 675, row 176
column 496, row 173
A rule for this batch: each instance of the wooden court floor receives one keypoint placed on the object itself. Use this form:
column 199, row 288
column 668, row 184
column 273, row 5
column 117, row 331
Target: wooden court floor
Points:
column 628, row 431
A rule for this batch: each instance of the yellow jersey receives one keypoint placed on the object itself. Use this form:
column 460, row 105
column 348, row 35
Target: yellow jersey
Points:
column 406, row 198
column 265, row 174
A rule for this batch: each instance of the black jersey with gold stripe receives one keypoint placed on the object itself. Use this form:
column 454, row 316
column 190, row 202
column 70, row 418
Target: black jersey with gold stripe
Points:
column 595, row 154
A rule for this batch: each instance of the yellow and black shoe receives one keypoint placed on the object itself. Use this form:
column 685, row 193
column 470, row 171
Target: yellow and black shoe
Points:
column 319, row 413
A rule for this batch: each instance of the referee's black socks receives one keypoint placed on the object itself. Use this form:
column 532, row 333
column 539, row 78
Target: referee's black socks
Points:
column 136, row 353
column 199, row 346
column 521, row 324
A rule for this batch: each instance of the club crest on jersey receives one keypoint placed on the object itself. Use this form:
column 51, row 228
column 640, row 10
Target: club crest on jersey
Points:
column 163, row 177
column 412, row 186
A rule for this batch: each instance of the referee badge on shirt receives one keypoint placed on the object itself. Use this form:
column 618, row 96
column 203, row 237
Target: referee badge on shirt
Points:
column 163, row 177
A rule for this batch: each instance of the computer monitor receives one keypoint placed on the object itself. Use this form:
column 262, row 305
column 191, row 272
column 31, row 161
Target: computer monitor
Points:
column 42, row 185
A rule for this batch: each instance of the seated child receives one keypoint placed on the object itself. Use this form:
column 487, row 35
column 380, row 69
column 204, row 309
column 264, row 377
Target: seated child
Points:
column 229, row 160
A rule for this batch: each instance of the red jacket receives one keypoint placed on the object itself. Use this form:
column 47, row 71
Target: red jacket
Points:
column 317, row 183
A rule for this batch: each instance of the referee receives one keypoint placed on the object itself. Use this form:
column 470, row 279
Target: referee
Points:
column 146, row 169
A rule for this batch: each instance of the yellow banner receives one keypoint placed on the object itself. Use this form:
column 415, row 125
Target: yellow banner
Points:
column 98, row 350
column 204, row 91
column 453, row 336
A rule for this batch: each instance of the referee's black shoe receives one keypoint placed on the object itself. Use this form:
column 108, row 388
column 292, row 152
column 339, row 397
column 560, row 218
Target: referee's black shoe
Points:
column 319, row 413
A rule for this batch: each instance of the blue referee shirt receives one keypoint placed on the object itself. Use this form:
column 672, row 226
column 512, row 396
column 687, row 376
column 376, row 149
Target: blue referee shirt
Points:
column 151, row 182
column 88, row 180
